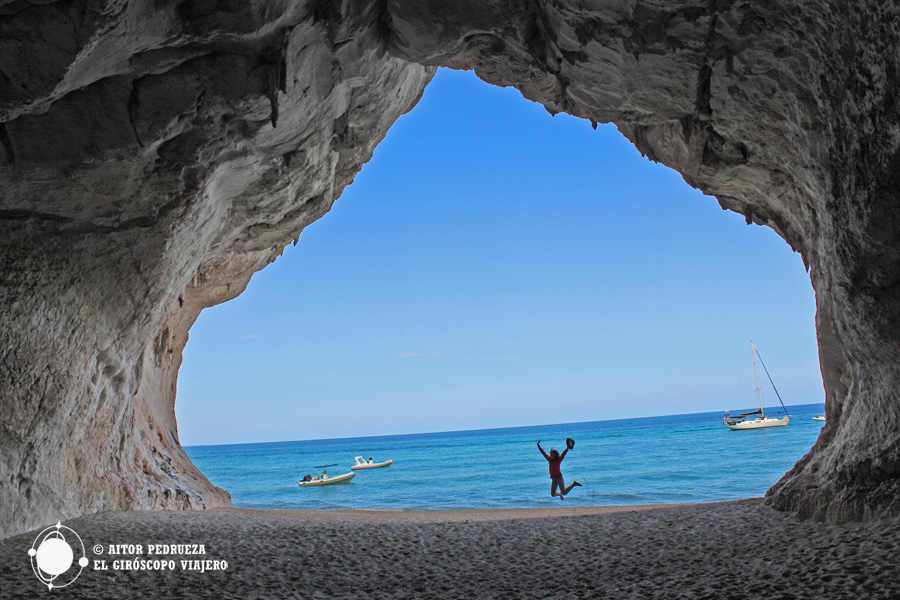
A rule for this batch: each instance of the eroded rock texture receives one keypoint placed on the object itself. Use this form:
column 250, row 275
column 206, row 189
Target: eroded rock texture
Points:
column 153, row 156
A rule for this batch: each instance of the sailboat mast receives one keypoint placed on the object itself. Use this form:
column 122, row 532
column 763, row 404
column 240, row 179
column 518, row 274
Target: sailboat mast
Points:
column 756, row 372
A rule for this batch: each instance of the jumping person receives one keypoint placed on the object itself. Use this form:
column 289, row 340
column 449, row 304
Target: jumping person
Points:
column 556, row 478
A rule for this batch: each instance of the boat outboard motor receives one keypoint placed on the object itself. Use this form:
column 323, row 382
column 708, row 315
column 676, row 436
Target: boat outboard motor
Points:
column 307, row 477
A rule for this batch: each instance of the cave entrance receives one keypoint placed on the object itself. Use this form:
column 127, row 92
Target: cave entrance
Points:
column 494, row 266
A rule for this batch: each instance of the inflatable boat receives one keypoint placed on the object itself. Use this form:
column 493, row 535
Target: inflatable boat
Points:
column 369, row 464
column 325, row 479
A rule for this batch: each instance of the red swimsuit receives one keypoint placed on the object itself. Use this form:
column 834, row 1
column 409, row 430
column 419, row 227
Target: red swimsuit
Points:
column 554, row 464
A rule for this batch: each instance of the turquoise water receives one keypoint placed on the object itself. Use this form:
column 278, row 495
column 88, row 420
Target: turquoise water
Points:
column 682, row 458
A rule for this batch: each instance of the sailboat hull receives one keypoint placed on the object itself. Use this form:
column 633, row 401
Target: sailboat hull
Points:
column 759, row 423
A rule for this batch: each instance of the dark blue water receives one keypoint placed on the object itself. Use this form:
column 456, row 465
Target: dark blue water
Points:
column 682, row 458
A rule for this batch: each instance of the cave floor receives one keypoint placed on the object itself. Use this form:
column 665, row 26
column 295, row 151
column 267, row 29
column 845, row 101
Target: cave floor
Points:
column 728, row 550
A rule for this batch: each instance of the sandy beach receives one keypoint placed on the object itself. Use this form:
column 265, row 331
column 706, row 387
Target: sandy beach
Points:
column 734, row 550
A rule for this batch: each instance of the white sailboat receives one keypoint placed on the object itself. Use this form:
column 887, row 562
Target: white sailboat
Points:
column 743, row 420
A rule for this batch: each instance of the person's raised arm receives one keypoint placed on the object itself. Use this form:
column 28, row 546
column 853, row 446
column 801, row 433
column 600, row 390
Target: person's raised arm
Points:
column 542, row 451
column 563, row 455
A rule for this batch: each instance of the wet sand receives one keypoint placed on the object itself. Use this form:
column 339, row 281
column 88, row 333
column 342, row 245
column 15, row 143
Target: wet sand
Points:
column 729, row 550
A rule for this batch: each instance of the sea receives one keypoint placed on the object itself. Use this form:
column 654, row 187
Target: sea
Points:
column 653, row 460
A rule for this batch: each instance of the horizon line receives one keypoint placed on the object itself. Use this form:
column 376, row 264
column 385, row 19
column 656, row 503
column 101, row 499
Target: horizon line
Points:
column 363, row 437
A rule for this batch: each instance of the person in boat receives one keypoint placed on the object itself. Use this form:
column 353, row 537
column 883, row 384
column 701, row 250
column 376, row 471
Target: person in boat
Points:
column 557, row 483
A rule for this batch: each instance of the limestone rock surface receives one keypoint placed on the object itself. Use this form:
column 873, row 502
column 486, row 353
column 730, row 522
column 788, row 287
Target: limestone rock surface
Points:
column 153, row 156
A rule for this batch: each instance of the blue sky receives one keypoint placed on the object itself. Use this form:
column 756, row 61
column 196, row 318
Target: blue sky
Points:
column 493, row 266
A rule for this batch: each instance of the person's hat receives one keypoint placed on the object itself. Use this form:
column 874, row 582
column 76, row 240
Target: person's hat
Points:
column 570, row 443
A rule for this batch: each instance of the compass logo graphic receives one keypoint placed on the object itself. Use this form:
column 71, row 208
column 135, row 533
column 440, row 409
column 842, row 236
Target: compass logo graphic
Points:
column 53, row 556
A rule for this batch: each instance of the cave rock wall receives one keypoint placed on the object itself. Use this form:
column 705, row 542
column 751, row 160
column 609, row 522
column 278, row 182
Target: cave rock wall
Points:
column 153, row 156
